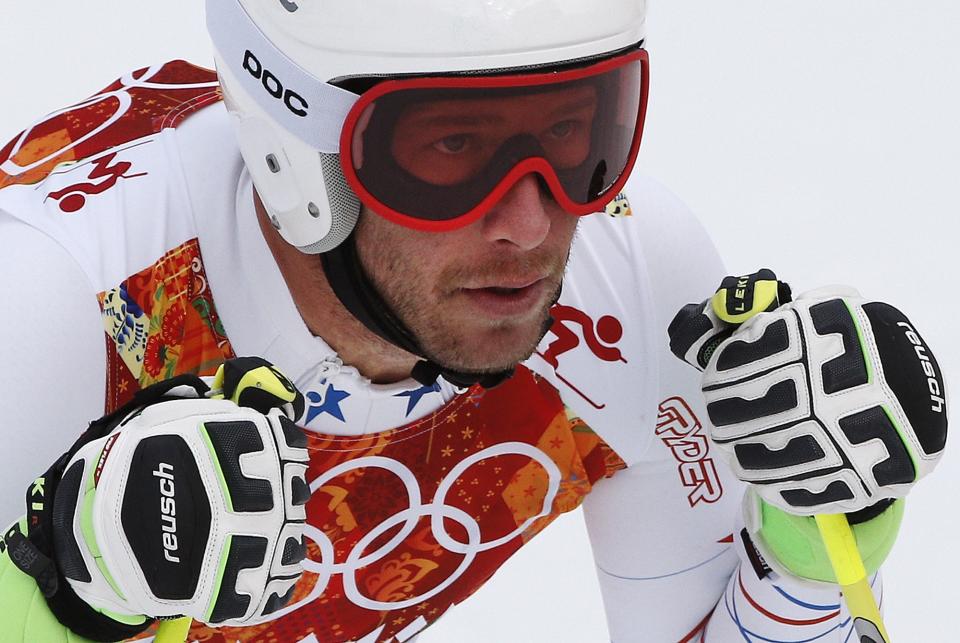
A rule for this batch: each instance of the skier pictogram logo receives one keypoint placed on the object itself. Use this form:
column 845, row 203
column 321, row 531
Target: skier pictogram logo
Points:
column 73, row 197
column 599, row 337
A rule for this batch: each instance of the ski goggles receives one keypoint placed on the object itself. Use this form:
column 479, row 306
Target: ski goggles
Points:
column 437, row 153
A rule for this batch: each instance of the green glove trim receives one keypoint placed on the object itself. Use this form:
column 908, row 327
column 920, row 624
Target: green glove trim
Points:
column 25, row 615
column 89, row 536
column 126, row 619
column 224, row 556
column 795, row 541
column 216, row 463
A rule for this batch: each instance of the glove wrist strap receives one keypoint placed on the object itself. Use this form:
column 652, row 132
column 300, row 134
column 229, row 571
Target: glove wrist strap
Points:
column 792, row 544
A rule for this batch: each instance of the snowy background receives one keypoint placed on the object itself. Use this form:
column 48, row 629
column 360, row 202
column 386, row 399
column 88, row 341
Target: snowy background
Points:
column 819, row 138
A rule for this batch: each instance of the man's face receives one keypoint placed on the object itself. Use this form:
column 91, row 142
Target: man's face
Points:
column 476, row 298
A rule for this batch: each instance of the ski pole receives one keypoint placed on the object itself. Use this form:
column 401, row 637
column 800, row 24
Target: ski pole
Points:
column 174, row 631
column 852, row 578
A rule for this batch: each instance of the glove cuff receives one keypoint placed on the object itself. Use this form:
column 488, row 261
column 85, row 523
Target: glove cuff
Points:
column 791, row 545
column 65, row 608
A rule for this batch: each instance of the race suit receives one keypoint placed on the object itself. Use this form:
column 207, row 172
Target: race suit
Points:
column 132, row 253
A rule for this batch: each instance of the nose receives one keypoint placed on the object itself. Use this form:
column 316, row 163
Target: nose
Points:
column 521, row 217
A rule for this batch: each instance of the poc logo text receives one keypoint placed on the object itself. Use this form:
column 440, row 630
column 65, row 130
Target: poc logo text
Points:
column 291, row 99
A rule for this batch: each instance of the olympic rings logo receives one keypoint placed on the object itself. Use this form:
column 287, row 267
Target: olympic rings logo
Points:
column 436, row 509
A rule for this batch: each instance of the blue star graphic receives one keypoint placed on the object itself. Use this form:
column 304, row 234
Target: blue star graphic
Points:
column 328, row 403
column 417, row 394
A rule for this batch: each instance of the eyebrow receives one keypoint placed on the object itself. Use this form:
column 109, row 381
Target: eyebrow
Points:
column 460, row 120
column 574, row 106
column 473, row 120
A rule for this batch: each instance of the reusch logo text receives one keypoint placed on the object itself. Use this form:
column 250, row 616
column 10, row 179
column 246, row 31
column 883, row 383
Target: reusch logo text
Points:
column 933, row 384
column 168, row 511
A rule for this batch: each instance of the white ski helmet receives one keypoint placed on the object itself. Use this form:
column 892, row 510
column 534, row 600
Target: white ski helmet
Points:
column 279, row 63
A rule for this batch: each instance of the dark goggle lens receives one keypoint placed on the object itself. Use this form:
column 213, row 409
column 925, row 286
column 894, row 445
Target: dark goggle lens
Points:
column 438, row 153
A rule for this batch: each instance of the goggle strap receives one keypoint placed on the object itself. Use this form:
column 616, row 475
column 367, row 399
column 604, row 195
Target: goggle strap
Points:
column 359, row 296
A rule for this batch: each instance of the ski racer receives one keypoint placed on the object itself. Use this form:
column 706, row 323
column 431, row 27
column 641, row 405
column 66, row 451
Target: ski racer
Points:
column 363, row 311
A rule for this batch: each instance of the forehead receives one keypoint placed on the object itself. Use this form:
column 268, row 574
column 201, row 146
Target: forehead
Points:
column 483, row 108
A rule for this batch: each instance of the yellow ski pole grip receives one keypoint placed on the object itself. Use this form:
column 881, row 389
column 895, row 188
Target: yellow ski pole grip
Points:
column 175, row 631
column 852, row 577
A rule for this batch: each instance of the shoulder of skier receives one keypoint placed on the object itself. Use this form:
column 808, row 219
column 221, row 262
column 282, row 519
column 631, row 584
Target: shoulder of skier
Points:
column 105, row 177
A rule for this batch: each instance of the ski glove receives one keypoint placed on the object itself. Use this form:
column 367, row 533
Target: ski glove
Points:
column 176, row 504
column 830, row 404
column 827, row 404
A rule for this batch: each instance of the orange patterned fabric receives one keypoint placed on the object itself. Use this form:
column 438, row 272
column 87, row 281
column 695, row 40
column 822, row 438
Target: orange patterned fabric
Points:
column 160, row 320
column 404, row 524
column 159, row 323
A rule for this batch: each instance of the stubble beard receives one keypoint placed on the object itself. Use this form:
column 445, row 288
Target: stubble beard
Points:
column 499, row 346
column 449, row 332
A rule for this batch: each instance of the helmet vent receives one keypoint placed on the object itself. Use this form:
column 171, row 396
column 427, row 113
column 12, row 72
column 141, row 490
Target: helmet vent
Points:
column 344, row 206
column 313, row 209
column 273, row 164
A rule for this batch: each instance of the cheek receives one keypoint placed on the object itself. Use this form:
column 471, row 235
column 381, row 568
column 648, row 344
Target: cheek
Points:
column 395, row 257
column 564, row 227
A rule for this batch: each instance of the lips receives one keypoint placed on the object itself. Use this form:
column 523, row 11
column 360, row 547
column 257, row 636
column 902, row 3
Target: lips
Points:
column 506, row 283
column 507, row 298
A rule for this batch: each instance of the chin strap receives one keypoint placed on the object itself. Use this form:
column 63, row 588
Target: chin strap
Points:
column 426, row 372
column 359, row 296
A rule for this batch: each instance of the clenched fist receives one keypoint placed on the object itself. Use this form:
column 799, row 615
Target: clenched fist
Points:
column 187, row 501
column 826, row 404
